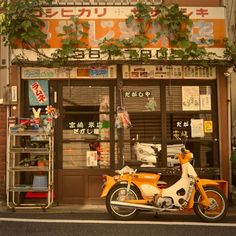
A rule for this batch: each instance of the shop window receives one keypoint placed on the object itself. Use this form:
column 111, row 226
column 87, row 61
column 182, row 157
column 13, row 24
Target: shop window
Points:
column 86, row 127
column 188, row 98
column 188, row 113
column 191, row 116
column 143, row 106
column 142, row 98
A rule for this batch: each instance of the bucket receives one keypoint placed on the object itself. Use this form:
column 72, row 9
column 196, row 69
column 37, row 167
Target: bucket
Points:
column 40, row 181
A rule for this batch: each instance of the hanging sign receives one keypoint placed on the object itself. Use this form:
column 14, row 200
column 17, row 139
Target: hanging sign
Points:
column 38, row 93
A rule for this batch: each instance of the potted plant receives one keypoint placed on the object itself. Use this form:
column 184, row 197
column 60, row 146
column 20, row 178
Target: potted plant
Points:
column 41, row 161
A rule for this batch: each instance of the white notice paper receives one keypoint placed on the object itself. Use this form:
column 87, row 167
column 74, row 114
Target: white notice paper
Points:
column 197, row 128
column 91, row 158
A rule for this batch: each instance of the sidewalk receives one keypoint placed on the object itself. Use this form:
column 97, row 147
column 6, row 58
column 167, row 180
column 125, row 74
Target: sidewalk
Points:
column 93, row 209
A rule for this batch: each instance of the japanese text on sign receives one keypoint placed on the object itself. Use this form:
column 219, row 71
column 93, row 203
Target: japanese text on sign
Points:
column 115, row 12
column 137, row 94
column 38, row 92
column 91, row 128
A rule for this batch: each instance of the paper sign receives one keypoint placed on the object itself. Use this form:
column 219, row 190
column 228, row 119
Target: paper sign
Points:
column 91, row 157
column 190, row 98
column 197, row 128
column 38, row 93
column 205, row 102
column 208, row 127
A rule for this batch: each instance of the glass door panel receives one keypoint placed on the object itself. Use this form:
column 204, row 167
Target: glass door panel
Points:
column 86, row 127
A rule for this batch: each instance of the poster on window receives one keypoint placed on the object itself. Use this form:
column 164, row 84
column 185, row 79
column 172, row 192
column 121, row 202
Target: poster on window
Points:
column 208, row 126
column 190, row 98
column 38, row 93
column 197, row 128
column 91, row 158
column 205, row 102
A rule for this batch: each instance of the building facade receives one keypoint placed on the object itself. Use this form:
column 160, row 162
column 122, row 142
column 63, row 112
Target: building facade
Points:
column 164, row 102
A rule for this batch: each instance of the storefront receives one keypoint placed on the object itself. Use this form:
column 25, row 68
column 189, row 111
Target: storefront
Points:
column 164, row 103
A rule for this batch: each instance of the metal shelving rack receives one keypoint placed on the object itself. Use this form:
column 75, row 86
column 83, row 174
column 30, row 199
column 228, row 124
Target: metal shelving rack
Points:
column 16, row 189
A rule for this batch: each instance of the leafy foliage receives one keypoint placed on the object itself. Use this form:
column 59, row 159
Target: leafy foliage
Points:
column 169, row 23
column 70, row 41
column 21, row 26
column 230, row 52
column 23, row 29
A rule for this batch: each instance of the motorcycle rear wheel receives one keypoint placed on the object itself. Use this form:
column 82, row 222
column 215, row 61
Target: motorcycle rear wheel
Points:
column 119, row 193
column 218, row 208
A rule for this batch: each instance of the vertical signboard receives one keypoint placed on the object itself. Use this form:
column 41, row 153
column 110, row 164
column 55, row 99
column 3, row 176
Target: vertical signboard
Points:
column 38, row 93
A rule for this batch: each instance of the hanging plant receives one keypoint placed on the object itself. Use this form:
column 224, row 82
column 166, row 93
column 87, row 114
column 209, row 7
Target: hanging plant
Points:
column 169, row 23
column 230, row 54
column 71, row 41
column 149, row 25
column 21, row 26
column 24, row 30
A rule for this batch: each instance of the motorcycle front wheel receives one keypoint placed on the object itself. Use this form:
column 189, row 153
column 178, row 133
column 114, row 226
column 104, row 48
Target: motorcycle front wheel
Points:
column 218, row 208
column 119, row 193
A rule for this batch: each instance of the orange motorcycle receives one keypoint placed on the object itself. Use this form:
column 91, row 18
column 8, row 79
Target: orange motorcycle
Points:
column 130, row 191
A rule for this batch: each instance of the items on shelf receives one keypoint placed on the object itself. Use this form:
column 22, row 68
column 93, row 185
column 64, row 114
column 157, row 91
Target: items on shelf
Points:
column 30, row 169
column 37, row 121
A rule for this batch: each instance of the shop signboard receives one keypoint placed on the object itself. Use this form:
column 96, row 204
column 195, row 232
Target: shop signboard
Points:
column 167, row 72
column 38, row 92
column 108, row 22
column 83, row 72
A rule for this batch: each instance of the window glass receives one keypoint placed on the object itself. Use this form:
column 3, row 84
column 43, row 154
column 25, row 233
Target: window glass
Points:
column 86, row 127
column 86, row 155
column 141, row 98
column 143, row 106
column 188, row 98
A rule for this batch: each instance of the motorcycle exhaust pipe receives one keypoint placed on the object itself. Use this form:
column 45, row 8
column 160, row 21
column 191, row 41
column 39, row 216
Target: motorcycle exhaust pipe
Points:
column 140, row 206
column 133, row 205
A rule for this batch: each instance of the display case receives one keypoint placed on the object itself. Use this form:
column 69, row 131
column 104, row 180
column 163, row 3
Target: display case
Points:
column 30, row 169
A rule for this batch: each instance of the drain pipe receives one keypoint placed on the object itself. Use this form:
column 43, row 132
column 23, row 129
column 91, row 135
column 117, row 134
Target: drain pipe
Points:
column 229, row 104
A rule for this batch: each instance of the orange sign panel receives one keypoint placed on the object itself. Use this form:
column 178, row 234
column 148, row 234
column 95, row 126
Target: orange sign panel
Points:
column 109, row 22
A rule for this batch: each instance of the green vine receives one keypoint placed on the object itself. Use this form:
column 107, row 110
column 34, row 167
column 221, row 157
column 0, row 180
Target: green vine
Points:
column 230, row 53
column 21, row 26
column 170, row 23
column 22, row 29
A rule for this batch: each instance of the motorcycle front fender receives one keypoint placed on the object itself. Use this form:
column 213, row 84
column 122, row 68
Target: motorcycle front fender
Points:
column 110, row 182
column 200, row 183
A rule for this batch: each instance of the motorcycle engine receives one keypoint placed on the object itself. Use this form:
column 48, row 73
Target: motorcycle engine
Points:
column 163, row 202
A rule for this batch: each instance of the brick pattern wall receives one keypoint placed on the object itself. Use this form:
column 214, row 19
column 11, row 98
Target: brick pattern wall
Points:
column 3, row 139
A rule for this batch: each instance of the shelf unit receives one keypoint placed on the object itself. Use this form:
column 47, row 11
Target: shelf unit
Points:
column 25, row 178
